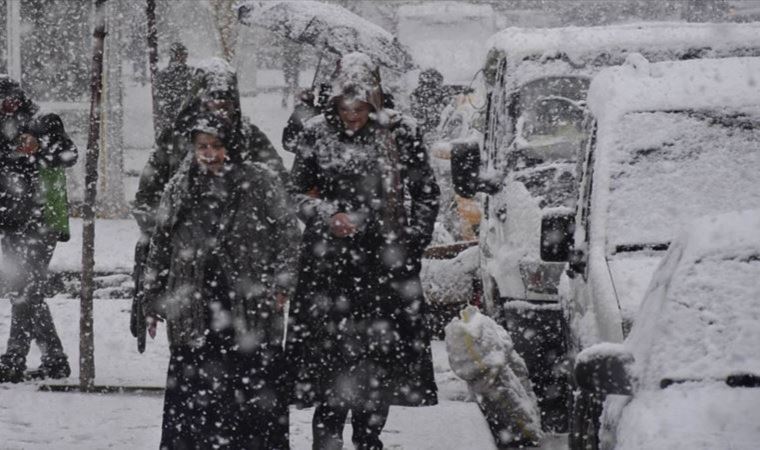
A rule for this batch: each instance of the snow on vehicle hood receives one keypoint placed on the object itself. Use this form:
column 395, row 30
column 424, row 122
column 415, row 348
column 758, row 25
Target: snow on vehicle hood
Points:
column 700, row 319
column 691, row 416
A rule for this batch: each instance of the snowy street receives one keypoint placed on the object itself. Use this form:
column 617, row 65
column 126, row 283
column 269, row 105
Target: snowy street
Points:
column 32, row 419
column 540, row 217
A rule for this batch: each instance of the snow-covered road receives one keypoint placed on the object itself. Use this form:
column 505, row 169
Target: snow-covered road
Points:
column 32, row 419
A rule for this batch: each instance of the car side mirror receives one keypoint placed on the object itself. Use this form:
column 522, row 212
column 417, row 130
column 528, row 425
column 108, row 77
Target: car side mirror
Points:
column 605, row 369
column 576, row 262
column 465, row 171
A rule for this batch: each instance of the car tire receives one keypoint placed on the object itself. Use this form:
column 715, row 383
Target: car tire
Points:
column 585, row 411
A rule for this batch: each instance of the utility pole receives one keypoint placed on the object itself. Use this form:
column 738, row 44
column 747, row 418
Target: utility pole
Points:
column 86, row 331
column 150, row 12
column 13, row 43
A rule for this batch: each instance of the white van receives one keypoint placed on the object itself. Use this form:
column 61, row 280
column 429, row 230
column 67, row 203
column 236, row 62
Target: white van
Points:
column 671, row 141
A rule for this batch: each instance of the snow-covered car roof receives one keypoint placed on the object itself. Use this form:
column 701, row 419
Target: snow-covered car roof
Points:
column 519, row 43
column 672, row 85
column 699, row 319
column 584, row 51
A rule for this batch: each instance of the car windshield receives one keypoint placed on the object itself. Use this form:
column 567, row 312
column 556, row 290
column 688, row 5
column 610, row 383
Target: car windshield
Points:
column 670, row 167
column 708, row 322
column 553, row 186
column 550, row 117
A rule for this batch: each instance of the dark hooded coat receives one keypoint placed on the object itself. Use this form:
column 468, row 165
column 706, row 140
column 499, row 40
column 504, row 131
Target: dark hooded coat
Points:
column 219, row 81
column 358, row 306
column 254, row 246
column 223, row 247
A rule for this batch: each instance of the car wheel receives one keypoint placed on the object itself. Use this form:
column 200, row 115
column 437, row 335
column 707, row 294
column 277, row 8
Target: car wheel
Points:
column 586, row 409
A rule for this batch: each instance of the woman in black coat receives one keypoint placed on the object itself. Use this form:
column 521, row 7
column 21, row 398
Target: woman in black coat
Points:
column 220, row 269
column 369, row 200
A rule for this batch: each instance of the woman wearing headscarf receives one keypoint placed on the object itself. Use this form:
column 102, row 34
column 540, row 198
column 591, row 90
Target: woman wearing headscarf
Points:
column 220, row 268
column 368, row 197
column 215, row 92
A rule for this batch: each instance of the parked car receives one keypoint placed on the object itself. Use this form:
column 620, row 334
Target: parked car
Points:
column 537, row 130
column 671, row 141
column 687, row 375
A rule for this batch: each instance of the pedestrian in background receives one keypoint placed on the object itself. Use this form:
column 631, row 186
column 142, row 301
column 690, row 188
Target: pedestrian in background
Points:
column 173, row 86
column 428, row 100
column 368, row 198
column 33, row 218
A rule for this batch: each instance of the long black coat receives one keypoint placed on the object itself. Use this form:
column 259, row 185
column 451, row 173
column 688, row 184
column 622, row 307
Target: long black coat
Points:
column 358, row 304
column 256, row 243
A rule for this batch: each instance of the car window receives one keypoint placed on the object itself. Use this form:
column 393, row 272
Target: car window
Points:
column 553, row 186
column 669, row 167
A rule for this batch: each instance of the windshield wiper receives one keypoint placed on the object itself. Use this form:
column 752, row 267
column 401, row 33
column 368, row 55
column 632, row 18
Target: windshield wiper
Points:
column 748, row 380
column 743, row 380
column 657, row 247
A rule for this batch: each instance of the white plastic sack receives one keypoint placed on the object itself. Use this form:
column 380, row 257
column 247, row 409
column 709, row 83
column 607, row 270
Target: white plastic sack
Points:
column 481, row 353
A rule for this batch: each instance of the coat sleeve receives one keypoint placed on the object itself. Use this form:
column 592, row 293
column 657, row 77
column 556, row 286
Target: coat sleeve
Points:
column 284, row 233
column 422, row 187
column 305, row 183
column 158, row 262
column 261, row 150
column 155, row 175
column 57, row 148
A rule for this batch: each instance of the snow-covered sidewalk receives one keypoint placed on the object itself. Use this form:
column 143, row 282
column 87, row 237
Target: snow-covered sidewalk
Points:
column 31, row 419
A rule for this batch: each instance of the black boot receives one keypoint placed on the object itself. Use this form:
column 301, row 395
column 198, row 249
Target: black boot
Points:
column 10, row 373
column 51, row 369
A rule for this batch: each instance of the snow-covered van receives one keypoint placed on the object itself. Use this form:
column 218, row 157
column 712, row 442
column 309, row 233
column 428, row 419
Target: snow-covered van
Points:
column 536, row 128
column 692, row 350
column 671, row 141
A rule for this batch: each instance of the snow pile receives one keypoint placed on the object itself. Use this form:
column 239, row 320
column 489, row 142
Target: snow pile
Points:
column 449, row 281
column 701, row 316
column 481, row 352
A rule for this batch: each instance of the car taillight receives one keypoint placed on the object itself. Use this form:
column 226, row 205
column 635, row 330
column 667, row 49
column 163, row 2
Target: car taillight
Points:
column 556, row 237
column 540, row 278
